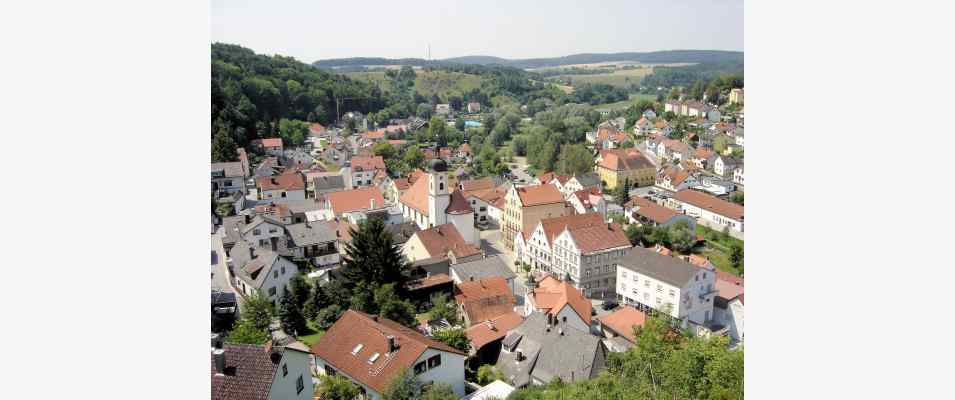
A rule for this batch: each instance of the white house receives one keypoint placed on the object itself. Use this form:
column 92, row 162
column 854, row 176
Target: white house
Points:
column 248, row 371
column 288, row 186
column 724, row 166
column 370, row 351
column 262, row 270
column 362, row 170
column 738, row 175
column 674, row 179
column 651, row 281
column 710, row 211
column 228, row 177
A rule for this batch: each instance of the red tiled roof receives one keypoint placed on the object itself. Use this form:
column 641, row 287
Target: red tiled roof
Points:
column 397, row 142
column 604, row 236
column 416, row 196
column 355, row 199
column 429, row 281
column 414, row 175
column 652, row 211
column 374, row 135
column 444, row 152
column 353, row 328
column 270, row 142
column 476, row 184
column 710, row 203
column 539, row 194
column 366, row 163
column 552, row 295
column 464, row 148
column 277, row 209
column 316, row 128
column 286, row 181
column 484, row 299
column 458, row 204
column 493, row 329
column 401, row 183
column 624, row 159
column 440, row 240
column 623, row 320
column 250, row 372
column 554, row 226
column 676, row 175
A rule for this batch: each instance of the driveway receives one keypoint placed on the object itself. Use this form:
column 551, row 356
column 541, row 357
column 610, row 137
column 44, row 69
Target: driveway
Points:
column 220, row 277
column 490, row 243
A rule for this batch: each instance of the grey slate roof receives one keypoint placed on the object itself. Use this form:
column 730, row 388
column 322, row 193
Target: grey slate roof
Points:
column 230, row 169
column 243, row 261
column 302, row 206
column 571, row 356
column 668, row 269
column 484, row 268
column 309, row 233
column 260, row 218
column 329, row 183
column 590, row 179
column 231, row 227
column 400, row 233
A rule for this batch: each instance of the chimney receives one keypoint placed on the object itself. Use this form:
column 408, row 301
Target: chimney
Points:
column 520, row 356
column 216, row 341
column 471, row 278
column 219, row 355
column 392, row 345
column 372, row 203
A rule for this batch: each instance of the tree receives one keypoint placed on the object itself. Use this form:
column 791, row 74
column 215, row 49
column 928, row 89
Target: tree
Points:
column 223, row 147
column 519, row 145
column 413, row 158
column 633, row 234
column 454, row 337
column 392, row 307
column 424, row 111
column 384, row 149
column 442, row 308
column 736, row 256
column 488, row 373
column 574, row 159
column 622, row 194
column 439, row 391
column 737, row 197
column 246, row 332
column 337, row 387
column 403, row 386
column 438, row 131
column 293, row 322
column 372, row 258
column 317, row 300
column 328, row 316
column 682, row 237
column 258, row 310
column 300, row 291
column 459, row 124
column 293, row 131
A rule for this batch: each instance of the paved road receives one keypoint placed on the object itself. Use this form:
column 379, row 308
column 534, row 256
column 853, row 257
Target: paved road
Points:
column 220, row 278
column 490, row 243
column 521, row 170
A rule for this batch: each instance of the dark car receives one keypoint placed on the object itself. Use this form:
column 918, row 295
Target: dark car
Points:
column 609, row 305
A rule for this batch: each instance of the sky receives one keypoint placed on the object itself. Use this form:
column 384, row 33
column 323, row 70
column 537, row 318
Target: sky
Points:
column 310, row 30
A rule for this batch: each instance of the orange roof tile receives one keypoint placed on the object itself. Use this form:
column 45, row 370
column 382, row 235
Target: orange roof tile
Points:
column 440, row 240
column 710, row 203
column 624, row 159
column 355, row 199
column 367, row 163
column 286, row 181
column 484, row 299
column 652, row 211
column 493, row 329
column 539, row 194
column 623, row 320
column 552, row 295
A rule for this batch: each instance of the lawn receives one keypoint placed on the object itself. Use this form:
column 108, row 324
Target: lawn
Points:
column 717, row 248
column 634, row 97
column 310, row 339
column 619, row 77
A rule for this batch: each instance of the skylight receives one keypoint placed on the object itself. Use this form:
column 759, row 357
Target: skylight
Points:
column 357, row 349
column 373, row 357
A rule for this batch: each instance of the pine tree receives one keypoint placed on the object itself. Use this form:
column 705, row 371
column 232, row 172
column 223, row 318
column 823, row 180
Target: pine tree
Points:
column 293, row 322
column 223, row 147
column 373, row 259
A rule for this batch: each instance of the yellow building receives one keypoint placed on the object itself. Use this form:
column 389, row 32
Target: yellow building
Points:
column 618, row 165
column 736, row 96
column 524, row 207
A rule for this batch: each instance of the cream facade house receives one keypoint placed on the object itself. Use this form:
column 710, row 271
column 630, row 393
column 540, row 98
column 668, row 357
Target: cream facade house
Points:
column 710, row 211
column 526, row 206
column 246, row 371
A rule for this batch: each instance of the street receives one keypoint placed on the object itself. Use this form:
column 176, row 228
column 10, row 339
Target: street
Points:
column 220, row 277
column 519, row 168
column 490, row 243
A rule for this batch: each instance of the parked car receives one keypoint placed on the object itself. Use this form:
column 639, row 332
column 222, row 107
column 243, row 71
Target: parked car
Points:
column 610, row 305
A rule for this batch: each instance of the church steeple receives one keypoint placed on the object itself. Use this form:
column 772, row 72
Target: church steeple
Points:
column 438, row 194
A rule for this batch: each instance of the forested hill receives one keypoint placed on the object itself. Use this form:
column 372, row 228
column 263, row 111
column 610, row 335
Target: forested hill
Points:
column 252, row 93
column 668, row 56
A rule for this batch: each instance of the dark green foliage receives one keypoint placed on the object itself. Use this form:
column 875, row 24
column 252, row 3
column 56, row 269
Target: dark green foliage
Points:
column 245, row 332
column 223, row 146
column 729, row 73
column 316, row 301
column 454, row 337
column 681, row 237
column 634, row 234
column 488, row 373
column 439, row 391
column 337, row 387
column 441, row 307
column 393, row 307
column 293, row 132
column 622, row 193
column 737, row 198
column 372, row 258
column 293, row 322
column 736, row 256
column 403, row 386
column 574, row 159
column 252, row 327
column 327, row 316
column 300, row 290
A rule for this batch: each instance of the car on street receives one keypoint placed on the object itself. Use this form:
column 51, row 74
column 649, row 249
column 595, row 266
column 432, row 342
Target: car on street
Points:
column 609, row 305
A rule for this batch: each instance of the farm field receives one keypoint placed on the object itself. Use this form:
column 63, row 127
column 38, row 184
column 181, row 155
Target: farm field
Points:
column 634, row 97
column 620, row 77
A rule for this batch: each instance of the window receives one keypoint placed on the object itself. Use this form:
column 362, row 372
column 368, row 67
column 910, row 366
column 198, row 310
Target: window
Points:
column 635, row 292
column 275, row 274
column 624, row 274
column 419, row 368
column 256, row 232
column 440, row 185
column 299, row 385
column 283, row 270
column 646, row 296
column 284, row 369
column 646, row 283
column 284, row 194
column 660, row 288
column 272, row 291
column 434, row 362
column 272, row 230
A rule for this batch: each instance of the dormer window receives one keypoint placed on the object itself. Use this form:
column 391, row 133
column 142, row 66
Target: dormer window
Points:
column 357, row 348
column 373, row 358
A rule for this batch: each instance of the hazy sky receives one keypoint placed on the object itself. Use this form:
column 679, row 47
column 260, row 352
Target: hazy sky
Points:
column 319, row 29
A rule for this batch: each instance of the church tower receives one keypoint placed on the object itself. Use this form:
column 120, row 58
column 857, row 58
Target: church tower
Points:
column 438, row 192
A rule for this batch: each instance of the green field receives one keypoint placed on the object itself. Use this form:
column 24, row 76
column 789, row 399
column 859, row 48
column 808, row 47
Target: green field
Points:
column 620, row 77
column 626, row 103
column 717, row 248
column 443, row 83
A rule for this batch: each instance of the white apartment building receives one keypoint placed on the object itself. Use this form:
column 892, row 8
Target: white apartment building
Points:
column 710, row 211
column 651, row 281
